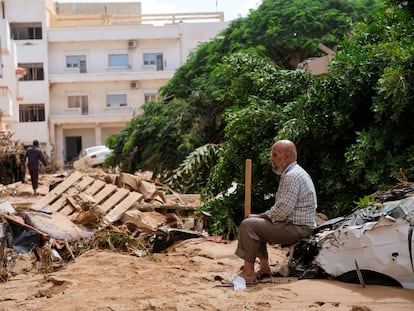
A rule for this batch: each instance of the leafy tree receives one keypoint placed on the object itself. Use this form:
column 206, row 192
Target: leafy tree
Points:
column 378, row 65
column 407, row 5
column 168, row 131
column 239, row 92
column 195, row 171
column 352, row 128
column 141, row 144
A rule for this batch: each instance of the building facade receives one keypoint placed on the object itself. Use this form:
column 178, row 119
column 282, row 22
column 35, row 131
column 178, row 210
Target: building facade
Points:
column 89, row 67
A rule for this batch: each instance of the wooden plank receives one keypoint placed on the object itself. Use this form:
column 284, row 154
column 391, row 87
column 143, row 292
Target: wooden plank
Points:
column 148, row 189
column 57, row 205
column 85, row 183
column 96, row 186
column 248, row 188
column 104, row 193
column 129, row 180
column 122, row 207
column 86, row 199
column 120, row 194
column 75, row 204
column 148, row 207
column 59, row 189
column 67, row 210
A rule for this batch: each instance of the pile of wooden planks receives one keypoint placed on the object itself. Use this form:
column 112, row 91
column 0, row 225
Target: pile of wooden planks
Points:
column 80, row 191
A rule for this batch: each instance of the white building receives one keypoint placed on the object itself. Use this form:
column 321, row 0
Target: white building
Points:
column 89, row 67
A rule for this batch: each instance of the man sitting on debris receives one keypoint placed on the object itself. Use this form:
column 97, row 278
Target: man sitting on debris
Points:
column 34, row 155
column 291, row 218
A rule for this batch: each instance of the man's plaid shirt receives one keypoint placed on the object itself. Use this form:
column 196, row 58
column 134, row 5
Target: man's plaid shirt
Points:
column 295, row 198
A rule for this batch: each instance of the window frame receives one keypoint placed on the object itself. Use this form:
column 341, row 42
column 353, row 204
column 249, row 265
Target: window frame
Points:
column 81, row 102
column 32, row 113
column 153, row 59
column 35, row 71
column 26, row 31
column 118, row 103
column 79, row 62
column 150, row 96
column 123, row 64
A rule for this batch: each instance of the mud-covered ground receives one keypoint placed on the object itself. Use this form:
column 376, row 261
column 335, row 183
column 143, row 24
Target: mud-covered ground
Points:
column 184, row 277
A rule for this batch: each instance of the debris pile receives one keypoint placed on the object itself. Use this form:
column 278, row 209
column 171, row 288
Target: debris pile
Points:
column 373, row 245
column 11, row 157
column 118, row 212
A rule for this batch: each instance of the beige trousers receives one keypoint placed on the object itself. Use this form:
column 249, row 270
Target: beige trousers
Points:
column 255, row 233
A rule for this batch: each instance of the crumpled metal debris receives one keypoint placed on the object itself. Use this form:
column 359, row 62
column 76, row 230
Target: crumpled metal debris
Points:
column 377, row 243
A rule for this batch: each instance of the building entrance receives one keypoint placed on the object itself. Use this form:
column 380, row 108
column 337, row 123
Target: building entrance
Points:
column 73, row 147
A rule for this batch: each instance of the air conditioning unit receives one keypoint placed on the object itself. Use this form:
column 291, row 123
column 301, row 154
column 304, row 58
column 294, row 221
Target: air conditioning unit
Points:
column 132, row 44
column 134, row 85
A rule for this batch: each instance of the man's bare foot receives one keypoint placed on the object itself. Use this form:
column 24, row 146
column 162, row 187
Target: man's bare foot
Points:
column 249, row 277
column 262, row 275
column 263, row 271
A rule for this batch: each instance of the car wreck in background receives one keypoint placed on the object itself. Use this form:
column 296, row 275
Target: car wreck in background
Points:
column 92, row 156
column 373, row 245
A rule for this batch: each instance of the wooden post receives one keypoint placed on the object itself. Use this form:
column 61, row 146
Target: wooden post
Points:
column 248, row 188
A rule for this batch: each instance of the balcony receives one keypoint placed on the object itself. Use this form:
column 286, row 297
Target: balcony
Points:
column 6, row 43
column 87, row 119
column 111, row 76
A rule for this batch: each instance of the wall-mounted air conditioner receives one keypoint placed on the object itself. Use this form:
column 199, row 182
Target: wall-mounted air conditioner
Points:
column 132, row 44
column 134, row 85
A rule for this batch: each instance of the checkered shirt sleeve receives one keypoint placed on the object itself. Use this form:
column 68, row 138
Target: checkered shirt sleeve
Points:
column 295, row 198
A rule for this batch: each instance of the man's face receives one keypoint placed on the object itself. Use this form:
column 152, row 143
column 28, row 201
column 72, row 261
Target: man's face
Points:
column 278, row 160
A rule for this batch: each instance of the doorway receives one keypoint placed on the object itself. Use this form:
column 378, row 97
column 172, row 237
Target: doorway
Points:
column 73, row 147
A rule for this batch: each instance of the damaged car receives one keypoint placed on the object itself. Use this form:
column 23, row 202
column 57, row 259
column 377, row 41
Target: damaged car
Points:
column 373, row 245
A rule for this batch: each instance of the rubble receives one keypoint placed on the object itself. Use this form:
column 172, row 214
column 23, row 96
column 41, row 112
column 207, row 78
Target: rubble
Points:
column 81, row 211
column 11, row 157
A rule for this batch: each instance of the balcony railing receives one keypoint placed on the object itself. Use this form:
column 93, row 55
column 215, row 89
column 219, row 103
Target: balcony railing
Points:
column 166, row 18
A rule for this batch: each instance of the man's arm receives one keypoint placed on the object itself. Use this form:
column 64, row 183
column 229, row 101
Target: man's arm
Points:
column 262, row 215
column 286, row 198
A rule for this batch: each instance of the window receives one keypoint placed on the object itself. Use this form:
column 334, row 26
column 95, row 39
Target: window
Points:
column 118, row 60
column 150, row 97
column 78, row 101
column 26, row 31
column 76, row 61
column 116, row 100
column 32, row 113
column 34, row 72
column 154, row 59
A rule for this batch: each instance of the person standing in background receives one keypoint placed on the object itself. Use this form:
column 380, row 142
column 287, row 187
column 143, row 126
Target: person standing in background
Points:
column 34, row 156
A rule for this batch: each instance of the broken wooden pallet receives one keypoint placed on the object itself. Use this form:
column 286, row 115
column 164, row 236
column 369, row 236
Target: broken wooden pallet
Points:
column 80, row 189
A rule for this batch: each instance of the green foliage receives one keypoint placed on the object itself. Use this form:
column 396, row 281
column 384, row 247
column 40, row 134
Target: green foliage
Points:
column 156, row 140
column 366, row 202
column 226, row 212
column 291, row 30
column 195, row 171
column 380, row 82
column 407, row 5
column 353, row 128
